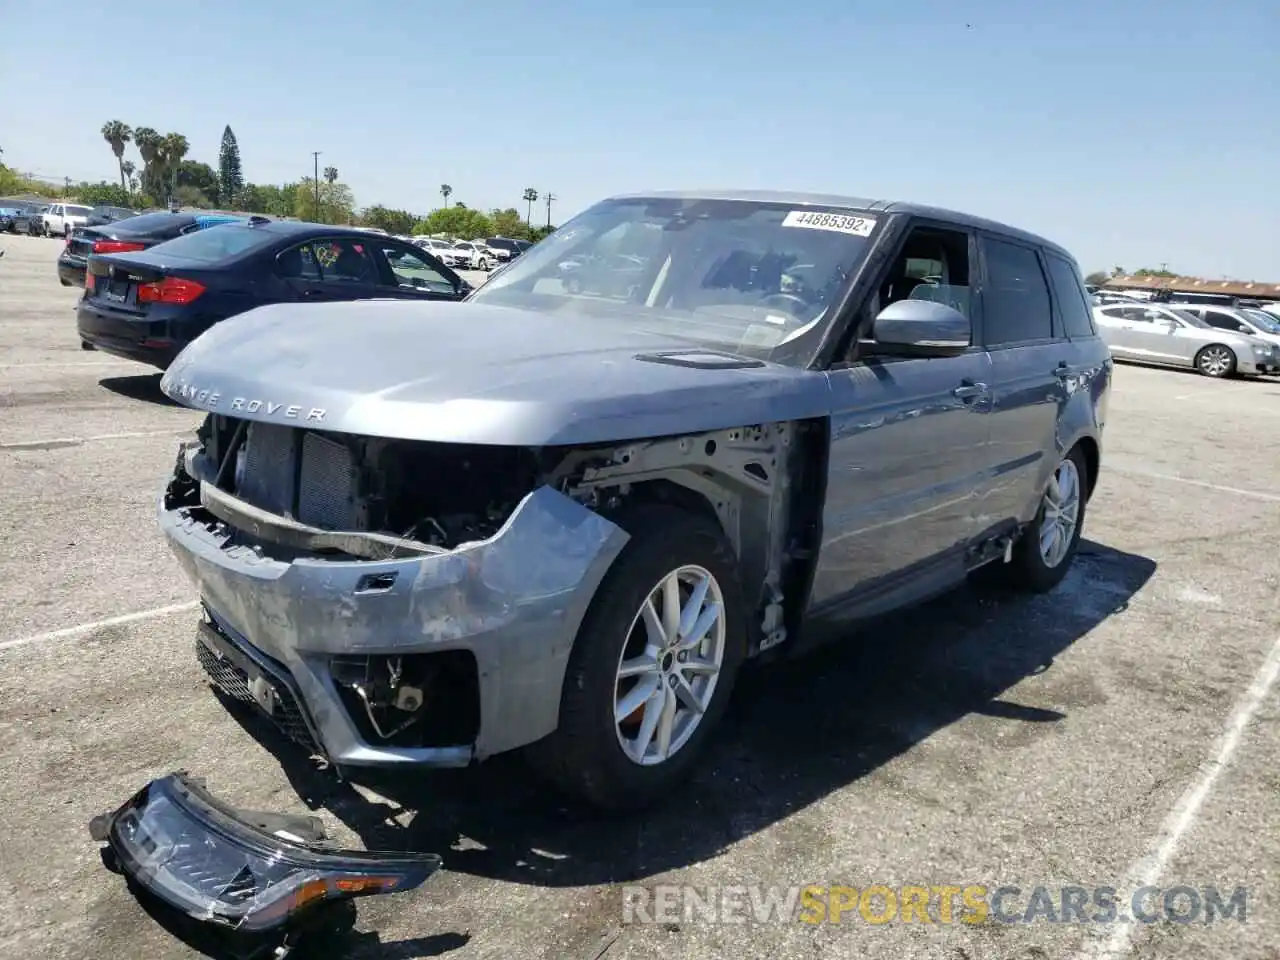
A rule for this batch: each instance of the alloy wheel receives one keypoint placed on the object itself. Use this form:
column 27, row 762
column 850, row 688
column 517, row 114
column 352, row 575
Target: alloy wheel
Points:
column 669, row 665
column 1215, row 361
column 1061, row 513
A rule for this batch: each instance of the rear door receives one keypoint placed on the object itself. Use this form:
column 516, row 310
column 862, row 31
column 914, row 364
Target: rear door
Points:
column 331, row 268
column 1030, row 355
column 414, row 274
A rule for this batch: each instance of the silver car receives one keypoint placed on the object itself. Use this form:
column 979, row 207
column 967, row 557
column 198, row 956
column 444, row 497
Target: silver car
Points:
column 1151, row 333
column 1252, row 323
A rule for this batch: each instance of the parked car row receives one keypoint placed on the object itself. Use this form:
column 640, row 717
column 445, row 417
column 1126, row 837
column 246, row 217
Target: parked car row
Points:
column 474, row 254
column 155, row 282
column 1218, row 341
column 55, row 219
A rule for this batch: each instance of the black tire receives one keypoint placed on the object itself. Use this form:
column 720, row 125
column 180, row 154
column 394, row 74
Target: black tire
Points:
column 1027, row 569
column 583, row 757
column 1205, row 352
column 86, row 345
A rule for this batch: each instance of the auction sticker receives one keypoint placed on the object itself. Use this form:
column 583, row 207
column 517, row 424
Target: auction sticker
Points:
column 836, row 222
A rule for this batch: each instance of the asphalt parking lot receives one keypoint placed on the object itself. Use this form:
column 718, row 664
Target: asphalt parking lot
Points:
column 1121, row 731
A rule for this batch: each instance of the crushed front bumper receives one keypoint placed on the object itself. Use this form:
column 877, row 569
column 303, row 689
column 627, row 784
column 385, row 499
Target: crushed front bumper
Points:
column 263, row 875
column 281, row 617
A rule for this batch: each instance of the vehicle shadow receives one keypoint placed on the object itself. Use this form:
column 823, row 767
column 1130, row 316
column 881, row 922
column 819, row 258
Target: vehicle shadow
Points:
column 798, row 731
column 142, row 386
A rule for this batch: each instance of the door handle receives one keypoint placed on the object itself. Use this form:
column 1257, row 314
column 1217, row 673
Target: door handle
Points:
column 968, row 390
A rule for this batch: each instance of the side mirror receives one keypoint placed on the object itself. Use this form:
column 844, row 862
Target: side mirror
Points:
column 920, row 328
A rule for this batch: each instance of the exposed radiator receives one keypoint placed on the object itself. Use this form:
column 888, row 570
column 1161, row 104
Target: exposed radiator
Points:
column 300, row 474
column 326, row 493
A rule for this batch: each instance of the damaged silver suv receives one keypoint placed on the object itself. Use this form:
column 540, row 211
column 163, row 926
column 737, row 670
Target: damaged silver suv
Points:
column 683, row 430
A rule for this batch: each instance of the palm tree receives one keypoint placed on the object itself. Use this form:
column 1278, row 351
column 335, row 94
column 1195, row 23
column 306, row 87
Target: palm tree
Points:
column 148, row 142
column 530, row 197
column 126, row 176
column 330, row 175
column 445, row 191
column 175, row 148
column 118, row 134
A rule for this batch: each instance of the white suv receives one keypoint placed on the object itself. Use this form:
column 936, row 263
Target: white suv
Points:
column 61, row 218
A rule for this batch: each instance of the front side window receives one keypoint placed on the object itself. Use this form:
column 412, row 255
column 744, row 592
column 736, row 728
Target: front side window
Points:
column 1015, row 299
column 742, row 275
column 413, row 271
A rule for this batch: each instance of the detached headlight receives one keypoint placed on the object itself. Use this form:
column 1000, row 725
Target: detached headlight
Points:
column 253, row 872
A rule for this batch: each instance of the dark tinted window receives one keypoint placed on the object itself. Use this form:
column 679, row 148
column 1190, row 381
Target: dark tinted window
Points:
column 216, row 243
column 147, row 222
column 501, row 244
column 1073, row 303
column 1015, row 299
column 344, row 260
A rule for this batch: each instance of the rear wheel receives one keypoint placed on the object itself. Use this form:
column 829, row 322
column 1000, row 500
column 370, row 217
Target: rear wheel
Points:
column 1042, row 557
column 1216, row 360
column 653, row 664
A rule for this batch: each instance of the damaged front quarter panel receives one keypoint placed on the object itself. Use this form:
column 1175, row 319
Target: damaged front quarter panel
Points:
column 512, row 600
column 263, row 876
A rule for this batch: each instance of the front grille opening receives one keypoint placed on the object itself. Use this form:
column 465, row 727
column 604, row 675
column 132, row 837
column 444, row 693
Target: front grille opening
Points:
column 440, row 494
column 418, row 700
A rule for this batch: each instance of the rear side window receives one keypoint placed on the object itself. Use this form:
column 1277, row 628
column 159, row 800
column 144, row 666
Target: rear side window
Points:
column 342, row 260
column 1073, row 304
column 1015, row 298
column 216, row 243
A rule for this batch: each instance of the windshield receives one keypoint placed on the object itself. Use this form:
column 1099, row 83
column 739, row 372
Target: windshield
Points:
column 1265, row 320
column 743, row 276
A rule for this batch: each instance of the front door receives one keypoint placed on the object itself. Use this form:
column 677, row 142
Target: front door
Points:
column 908, row 444
column 410, row 274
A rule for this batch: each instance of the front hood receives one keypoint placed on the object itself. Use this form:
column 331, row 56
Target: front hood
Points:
column 474, row 373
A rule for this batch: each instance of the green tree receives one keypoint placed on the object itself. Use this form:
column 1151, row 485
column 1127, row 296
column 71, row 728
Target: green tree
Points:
column 190, row 196
column 337, row 203
column 118, row 134
column 268, row 198
column 102, row 194
column 201, row 176
column 507, row 223
column 540, row 233
column 175, row 148
column 131, row 183
column 1097, row 278
column 230, row 183
column 149, row 142
column 392, row 221
column 446, row 191
column 459, row 222
column 330, row 174
column 1148, row 272
column 530, row 196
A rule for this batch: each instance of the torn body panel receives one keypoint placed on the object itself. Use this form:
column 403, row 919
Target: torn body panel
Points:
column 512, row 601
column 392, row 602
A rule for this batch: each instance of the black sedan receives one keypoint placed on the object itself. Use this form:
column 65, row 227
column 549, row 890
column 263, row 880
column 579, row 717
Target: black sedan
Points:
column 128, row 235
column 147, row 305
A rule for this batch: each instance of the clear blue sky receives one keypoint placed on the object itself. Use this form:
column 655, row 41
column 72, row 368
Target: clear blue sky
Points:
column 1092, row 122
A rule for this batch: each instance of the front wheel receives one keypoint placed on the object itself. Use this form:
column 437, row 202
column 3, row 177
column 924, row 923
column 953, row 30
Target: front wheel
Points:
column 653, row 664
column 1216, row 360
column 1042, row 557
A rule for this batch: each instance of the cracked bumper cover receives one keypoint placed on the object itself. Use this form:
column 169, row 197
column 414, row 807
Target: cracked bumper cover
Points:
column 514, row 601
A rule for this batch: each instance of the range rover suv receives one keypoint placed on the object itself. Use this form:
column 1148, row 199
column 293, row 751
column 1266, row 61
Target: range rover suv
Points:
column 560, row 518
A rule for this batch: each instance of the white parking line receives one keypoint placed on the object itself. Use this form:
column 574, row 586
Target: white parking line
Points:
column 1147, row 871
column 72, row 632
column 54, row 443
column 1237, row 491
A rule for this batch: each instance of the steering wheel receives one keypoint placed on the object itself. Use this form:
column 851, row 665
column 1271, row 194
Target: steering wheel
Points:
column 787, row 300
